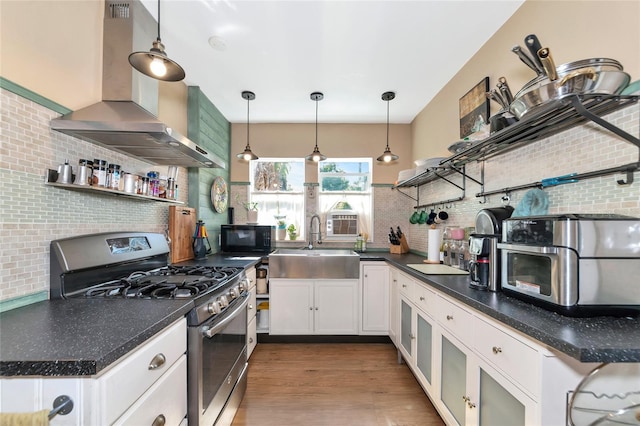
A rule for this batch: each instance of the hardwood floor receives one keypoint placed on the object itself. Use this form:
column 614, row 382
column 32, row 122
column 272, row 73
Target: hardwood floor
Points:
column 332, row 384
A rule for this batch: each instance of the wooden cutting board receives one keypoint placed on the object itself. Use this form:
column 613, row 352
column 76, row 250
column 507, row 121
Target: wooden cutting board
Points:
column 436, row 269
column 182, row 226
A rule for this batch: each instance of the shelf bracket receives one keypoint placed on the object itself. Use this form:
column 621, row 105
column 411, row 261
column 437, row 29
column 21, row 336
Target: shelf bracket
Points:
column 580, row 109
column 406, row 195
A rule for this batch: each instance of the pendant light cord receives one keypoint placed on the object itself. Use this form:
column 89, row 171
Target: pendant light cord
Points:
column 159, row 21
column 387, row 125
column 316, row 123
column 248, row 100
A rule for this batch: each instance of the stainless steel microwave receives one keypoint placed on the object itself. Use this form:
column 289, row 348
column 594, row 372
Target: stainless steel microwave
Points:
column 247, row 238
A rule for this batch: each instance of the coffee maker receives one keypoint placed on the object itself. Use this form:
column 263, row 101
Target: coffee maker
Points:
column 484, row 273
column 484, row 266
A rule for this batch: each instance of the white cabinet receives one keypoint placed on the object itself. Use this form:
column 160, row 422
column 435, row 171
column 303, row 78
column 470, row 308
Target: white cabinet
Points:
column 476, row 370
column 313, row 306
column 374, row 298
column 147, row 384
column 252, row 334
column 394, row 306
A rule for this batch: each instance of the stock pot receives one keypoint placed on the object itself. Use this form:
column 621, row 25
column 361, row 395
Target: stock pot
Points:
column 589, row 76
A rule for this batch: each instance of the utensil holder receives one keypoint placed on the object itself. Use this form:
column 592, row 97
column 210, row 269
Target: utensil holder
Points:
column 400, row 249
column 199, row 249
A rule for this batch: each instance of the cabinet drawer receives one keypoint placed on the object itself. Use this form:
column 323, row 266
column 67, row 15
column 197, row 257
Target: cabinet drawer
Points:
column 455, row 319
column 252, row 336
column 509, row 355
column 406, row 286
column 424, row 299
column 167, row 398
column 132, row 376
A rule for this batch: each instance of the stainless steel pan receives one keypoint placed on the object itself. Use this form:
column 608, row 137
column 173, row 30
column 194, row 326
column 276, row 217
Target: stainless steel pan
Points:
column 589, row 76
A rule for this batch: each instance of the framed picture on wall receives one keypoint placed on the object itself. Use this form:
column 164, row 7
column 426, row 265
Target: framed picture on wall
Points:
column 472, row 105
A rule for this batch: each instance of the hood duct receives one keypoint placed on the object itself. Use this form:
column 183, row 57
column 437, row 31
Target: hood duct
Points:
column 126, row 119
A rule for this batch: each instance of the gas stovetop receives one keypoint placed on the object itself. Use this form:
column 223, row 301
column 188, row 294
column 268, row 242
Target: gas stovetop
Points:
column 169, row 282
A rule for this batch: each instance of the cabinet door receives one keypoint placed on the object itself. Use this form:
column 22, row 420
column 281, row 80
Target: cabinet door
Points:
column 291, row 306
column 424, row 348
column 495, row 400
column 394, row 308
column 406, row 329
column 453, row 379
column 336, row 307
column 375, row 298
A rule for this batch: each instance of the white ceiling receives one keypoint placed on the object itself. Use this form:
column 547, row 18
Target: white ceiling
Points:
column 350, row 50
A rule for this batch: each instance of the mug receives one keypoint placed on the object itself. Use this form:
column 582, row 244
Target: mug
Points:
column 423, row 217
column 414, row 218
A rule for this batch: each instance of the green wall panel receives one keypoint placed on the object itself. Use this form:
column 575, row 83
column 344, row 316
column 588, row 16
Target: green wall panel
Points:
column 209, row 128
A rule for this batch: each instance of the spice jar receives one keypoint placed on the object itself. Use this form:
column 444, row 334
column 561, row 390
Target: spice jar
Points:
column 113, row 176
column 99, row 172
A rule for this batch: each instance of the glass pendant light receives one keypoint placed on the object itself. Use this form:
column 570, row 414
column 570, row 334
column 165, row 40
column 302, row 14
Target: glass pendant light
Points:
column 387, row 156
column 155, row 63
column 316, row 155
column 247, row 155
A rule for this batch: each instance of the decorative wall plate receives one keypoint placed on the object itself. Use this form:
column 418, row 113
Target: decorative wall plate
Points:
column 219, row 194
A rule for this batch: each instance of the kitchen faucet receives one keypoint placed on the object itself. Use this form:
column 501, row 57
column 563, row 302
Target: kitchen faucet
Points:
column 319, row 240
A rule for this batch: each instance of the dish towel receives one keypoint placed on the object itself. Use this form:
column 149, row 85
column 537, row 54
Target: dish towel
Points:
column 38, row 418
column 534, row 203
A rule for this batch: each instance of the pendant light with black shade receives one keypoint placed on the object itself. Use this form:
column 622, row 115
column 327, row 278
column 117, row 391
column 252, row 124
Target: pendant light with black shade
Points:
column 316, row 155
column 155, row 63
column 247, row 155
column 387, row 156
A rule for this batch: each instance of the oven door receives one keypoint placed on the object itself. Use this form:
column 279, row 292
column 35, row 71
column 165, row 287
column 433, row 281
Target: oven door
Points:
column 549, row 274
column 217, row 364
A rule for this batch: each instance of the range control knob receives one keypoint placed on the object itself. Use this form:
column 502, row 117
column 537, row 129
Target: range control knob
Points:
column 213, row 307
column 223, row 301
column 234, row 292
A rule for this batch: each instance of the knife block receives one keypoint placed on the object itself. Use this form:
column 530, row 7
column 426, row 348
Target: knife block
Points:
column 400, row 249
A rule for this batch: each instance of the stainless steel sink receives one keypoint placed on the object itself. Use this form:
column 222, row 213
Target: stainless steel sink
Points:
column 314, row 264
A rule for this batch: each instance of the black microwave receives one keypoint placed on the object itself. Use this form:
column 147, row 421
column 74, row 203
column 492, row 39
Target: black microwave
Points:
column 247, row 238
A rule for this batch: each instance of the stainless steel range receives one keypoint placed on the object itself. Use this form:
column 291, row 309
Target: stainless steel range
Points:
column 134, row 265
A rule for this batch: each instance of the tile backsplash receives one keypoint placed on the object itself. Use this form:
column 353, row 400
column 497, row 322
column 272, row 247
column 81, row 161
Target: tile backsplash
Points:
column 33, row 214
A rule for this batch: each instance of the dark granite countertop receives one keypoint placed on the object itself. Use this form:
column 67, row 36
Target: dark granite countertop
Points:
column 595, row 339
column 81, row 337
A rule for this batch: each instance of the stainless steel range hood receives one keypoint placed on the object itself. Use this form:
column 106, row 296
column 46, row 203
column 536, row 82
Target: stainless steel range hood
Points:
column 126, row 119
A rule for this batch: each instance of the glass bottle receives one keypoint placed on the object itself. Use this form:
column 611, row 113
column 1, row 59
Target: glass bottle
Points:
column 453, row 253
column 446, row 242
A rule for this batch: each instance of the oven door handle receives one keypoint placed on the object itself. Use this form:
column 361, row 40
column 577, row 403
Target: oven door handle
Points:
column 529, row 249
column 210, row 332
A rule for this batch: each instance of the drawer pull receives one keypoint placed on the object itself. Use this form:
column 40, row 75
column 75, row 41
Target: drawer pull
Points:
column 157, row 362
column 422, row 298
column 250, row 306
column 159, row 421
column 250, row 339
column 311, row 308
column 496, row 350
column 471, row 404
column 404, row 286
column 465, row 398
column 412, row 336
column 449, row 317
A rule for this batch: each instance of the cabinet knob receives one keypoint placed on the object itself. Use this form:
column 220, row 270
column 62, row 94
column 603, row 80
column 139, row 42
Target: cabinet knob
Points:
column 471, row 404
column 250, row 306
column 404, row 286
column 422, row 298
column 311, row 308
column 250, row 339
column 157, row 362
column 159, row 421
column 316, row 308
column 449, row 317
column 366, row 276
column 497, row 350
column 465, row 398
column 412, row 336
column 395, row 281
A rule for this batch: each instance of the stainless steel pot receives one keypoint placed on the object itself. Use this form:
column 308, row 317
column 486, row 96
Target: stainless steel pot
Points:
column 589, row 76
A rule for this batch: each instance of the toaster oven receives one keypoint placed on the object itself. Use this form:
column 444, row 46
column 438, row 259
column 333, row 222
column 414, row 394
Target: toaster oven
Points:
column 574, row 264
